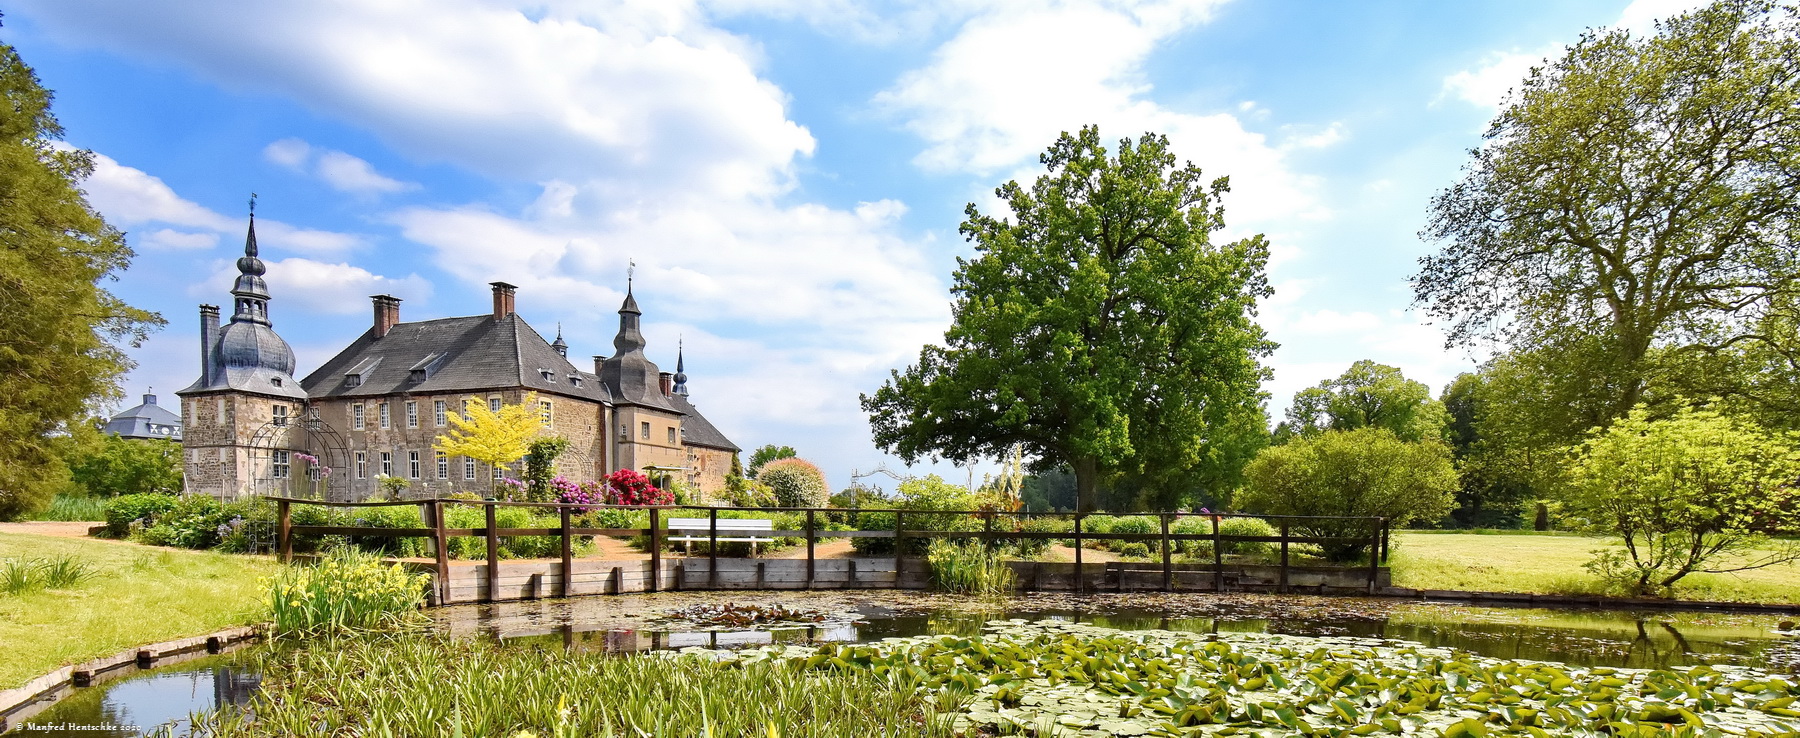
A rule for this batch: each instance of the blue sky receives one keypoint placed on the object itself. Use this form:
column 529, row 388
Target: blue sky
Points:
column 787, row 174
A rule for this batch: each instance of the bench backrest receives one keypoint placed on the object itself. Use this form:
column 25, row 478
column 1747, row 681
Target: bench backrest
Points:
column 725, row 524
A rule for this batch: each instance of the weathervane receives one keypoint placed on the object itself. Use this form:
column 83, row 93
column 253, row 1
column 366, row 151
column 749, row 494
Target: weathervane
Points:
column 252, row 204
column 630, row 271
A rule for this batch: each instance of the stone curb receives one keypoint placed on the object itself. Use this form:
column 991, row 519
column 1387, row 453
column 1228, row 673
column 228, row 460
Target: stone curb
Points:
column 21, row 703
column 1544, row 600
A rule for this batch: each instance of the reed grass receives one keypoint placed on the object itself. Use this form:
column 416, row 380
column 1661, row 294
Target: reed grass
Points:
column 403, row 686
column 347, row 590
column 20, row 575
column 969, row 568
column 73, row 508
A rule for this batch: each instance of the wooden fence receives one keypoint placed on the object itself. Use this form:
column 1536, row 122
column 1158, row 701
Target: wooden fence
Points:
column 996, row 526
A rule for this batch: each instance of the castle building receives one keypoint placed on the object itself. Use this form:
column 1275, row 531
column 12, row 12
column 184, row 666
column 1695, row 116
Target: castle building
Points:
column 374, row 409
column 147, row 420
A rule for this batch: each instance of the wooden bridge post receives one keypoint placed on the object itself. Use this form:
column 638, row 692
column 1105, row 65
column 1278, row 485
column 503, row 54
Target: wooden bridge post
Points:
column 1218, row 558
column 1284, row 555
column 1375, row 552
column 568, row 552
column 1168, row 583
column 655, row 550
column 899, row 546
column 811, row 528
column 442, row 543
column 493, row 555
column 1080, row 583
column 284, row 533
column 712, row 549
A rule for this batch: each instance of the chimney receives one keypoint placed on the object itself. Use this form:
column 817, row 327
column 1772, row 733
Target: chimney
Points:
column 667, row 381
column 209, row 335
column 387, row 313
column 598, row 362
column 503, row 299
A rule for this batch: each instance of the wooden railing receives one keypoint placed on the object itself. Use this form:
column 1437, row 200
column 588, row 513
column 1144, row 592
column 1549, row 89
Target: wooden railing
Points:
column 432, row 514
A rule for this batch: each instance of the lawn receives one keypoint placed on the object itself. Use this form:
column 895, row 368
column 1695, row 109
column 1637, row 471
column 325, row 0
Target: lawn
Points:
column 1552, row 564
column 139, row 595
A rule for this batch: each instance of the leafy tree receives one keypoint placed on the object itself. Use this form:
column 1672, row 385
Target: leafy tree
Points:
column 59, row 343
column 1635, row 204
column 762, row 456
column 540, row 466
column 796, row 483
column 1049, row 491
column 1493, row 492
column 1367, row 472
column 494, row 438
column 114, row 466
column 1369, row 395
column 1100, row 326
column 1696, row 492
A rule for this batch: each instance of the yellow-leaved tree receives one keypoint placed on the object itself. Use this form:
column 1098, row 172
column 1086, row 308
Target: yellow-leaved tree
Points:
column 496, row 438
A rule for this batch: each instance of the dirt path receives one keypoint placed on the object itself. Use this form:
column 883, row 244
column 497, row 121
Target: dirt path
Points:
column 55, row 528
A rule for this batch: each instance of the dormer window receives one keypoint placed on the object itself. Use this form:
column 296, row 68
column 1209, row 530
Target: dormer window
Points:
column 426, row 367
column 354, row 377
column 549, row 376
column 574, row 381
column 275, row 380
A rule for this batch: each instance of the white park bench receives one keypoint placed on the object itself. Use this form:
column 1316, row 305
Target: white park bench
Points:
column 730, row 529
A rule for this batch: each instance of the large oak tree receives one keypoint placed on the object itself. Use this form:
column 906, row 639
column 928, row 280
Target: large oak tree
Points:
column 1099, row 326
column 60, row 331
column 1634, row 209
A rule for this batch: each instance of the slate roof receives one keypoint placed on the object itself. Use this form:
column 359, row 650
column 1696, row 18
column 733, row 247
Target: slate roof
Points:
column 696, row 430
column 148, row 420
column 451, row 355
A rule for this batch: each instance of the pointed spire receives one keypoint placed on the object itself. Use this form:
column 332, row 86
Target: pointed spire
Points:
column 680, row 367
column 562, row 348
column 630, row 305
column 251, row 291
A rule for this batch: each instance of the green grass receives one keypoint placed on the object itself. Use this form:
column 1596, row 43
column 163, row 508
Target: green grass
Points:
column 1540, row 564
column 134, row 596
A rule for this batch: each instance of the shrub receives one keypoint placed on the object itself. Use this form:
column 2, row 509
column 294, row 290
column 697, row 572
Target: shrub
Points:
column 347, row 590
column 193, row 522
column 1026, row 548
column 968, row 568
column 1139, row 525
column 628, row 487
column 1247, row 527
column 795, row 482
column 1134, row 550
column 124, row 510
column 1367, row 472
column 741, row 492
column 1098, row 524
column 1194, row 525
column 923, row 494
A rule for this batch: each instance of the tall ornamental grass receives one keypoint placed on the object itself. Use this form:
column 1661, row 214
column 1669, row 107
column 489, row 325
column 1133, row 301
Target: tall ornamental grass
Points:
column 419, row 685
column 346, row 590
column 969, row 568
column 21, row 575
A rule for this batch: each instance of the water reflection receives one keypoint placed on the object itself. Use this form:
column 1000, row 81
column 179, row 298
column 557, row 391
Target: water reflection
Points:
column 155, row 702
column 1597, row 638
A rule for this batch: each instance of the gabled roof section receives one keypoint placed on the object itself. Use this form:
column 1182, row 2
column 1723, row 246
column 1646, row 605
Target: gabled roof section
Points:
column 450, row 355
column 696, row 430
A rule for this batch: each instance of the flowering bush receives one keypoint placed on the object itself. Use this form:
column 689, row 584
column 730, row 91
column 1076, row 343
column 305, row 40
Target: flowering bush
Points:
column 628, row 487
column 795, row 482
column 586, row 496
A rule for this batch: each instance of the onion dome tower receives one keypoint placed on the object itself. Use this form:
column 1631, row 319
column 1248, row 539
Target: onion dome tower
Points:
column 246, row 354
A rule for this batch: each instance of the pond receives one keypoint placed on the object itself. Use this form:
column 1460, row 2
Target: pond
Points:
column 1585, row 638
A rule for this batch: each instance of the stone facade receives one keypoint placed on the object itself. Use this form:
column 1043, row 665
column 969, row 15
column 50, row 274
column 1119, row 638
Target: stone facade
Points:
column 378, row 406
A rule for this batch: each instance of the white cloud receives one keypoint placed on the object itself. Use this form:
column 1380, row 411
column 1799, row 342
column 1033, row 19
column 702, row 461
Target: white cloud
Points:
column 641, row 91
column 1640, row 16
column 998, row 93
column 343, row 172
column 289, row 152
column 173, row 240
column 302, row 286
column 1497, row 74
column 127, row 197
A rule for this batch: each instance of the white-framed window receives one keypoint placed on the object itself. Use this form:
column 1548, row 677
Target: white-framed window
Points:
column 412, row 414
column 362, row 465
column 356, row 416
column 468, row 468
column 644, row 430
column 280, row 416
column 544, row 412
column 387, row 463
column 493, row 404
column 443, row 465
column 439, row 413
column 671, row 435
column 412, row 465
column 385, row 421
column 283, row 460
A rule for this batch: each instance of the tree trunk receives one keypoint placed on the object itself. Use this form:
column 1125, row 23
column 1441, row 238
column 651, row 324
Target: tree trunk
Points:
column 1087, row 483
